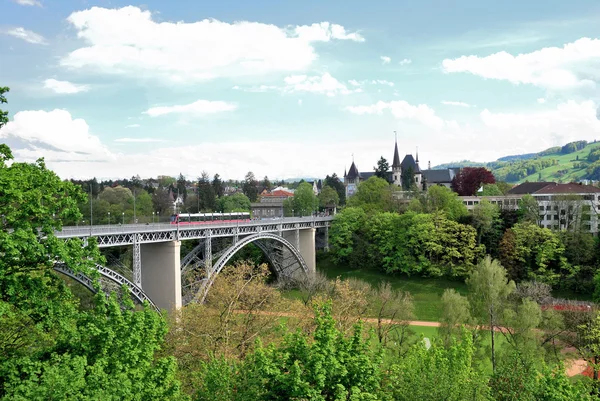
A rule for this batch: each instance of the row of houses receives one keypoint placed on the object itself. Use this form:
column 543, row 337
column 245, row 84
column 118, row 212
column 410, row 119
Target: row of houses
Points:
column 560, row 206
column 270, row 203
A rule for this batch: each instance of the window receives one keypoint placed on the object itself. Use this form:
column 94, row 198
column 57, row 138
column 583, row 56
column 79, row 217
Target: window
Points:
column 548, row 217
column 541, row 208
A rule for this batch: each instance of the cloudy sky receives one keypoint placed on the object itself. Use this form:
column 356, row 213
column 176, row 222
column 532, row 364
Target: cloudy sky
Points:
column 290, row 89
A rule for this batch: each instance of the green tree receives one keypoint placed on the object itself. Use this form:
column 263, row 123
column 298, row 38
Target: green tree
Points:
column 3, row 113
column 485, row 216
column 326, row 365
column 489, row 289
column 441, row 199
column 206, row 193
column 250, row 186
column 237, row 202
column 344, row 229
column 265, row 184
column 456, row 315
column 373, row 195
column 382, row 168
column 49, row 348
column 491, row 190
column 334, row 182
column 437, row 373
column 304, row 201
column 218, row 186
column 529, row 210
column 182, row 186
column 518, row 380
column 328, row 197
column 407, row 178
column 534, row 253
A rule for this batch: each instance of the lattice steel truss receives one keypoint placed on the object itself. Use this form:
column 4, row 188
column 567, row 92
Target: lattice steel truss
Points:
column 284, row 257
column 135, row 291
column 130, row 234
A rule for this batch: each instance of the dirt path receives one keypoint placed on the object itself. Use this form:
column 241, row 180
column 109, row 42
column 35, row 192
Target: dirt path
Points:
column 573, row 367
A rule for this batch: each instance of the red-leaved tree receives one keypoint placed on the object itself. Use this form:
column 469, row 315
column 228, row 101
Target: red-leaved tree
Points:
column 470, row 179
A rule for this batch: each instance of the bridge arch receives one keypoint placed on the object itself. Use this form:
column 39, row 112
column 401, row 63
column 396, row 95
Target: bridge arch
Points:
column 112, row 275
column 259, row 239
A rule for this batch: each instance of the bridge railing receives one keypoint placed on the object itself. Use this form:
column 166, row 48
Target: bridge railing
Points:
column 83, row 231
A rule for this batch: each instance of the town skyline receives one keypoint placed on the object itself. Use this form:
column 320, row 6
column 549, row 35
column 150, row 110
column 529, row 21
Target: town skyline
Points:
column 117, row 89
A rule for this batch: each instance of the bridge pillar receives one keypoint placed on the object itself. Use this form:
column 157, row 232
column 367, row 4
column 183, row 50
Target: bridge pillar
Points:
column 161, row 273
column 307, row 248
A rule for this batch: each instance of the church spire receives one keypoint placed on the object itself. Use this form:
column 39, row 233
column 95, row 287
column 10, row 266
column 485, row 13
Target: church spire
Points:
column 417, row 155
column 396, row 161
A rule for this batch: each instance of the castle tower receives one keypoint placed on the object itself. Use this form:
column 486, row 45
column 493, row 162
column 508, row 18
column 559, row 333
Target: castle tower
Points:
column 396, row 167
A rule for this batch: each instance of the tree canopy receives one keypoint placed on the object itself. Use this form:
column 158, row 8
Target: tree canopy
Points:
column 468, row 181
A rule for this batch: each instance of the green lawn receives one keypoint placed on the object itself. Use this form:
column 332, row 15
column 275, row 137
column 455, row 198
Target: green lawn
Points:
column 426, row 292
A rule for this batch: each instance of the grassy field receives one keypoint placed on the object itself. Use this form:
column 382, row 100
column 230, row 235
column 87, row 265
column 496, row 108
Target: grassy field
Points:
column 565, row 162
column 426, row 292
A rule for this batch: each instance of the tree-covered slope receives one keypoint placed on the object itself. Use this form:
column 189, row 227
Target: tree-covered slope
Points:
column 574, row 161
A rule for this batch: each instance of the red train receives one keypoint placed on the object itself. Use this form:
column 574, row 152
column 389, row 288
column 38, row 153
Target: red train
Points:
column 210, row 218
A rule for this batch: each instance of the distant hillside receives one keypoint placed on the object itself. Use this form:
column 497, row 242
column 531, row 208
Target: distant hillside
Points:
column 462, row 163
column 518, row 157
column 574, row 161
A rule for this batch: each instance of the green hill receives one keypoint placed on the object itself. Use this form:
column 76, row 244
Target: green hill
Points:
column 574, row 161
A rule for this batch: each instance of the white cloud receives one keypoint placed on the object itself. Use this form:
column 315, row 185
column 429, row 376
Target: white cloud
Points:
column 541, row 100
column 71, row 151
column 258, row 89
column 64, row 87
column 568, row 117
column 403, row 110
column 26, row 35
column 454, row 103
column 128, row 41
column 405, row 61
column 55, row 134
column 198, row 108
column 132, row 126
column 28, row 2
column 386, row 59
column 324, row 32
column 557, row 68
column 324, row 84
column 299, row 102
column 382, row 82
column 139, row 140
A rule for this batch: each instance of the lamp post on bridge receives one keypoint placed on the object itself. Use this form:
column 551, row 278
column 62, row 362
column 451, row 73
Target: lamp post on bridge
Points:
column 91, row 210
column 153, row 217
column 123, row 218
column 109, row 219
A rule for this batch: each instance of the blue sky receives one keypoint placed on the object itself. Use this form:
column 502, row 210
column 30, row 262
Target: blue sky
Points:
column 288, row 89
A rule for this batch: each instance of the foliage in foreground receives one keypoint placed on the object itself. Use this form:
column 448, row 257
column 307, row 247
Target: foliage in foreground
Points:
column 327, row 364
column 49, row 348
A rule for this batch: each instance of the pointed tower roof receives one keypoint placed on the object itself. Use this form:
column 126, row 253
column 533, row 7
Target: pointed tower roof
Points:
column 396, row 162
column 353, row 172
column 409, row 162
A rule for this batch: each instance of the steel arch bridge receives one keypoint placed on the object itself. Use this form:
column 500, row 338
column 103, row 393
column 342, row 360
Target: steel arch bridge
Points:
column 135, row 291
column 285, row 259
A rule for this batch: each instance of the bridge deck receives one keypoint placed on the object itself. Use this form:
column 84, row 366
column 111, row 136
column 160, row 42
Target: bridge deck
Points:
column 128, row 234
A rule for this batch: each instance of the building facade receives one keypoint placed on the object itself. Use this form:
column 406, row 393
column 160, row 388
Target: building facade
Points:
column 270, row 205
column 409, row 164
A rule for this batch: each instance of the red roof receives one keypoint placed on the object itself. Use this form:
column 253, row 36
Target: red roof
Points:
column 280, row 193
